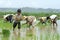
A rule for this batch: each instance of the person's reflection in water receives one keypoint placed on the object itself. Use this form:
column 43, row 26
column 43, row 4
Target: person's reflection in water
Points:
column 55, row 29
column 16, row 35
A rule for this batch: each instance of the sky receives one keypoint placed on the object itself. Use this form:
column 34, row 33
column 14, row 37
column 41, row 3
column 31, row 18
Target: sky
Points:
column 54, row 4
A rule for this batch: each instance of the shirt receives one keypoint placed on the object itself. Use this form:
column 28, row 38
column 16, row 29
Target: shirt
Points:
column 31, row 18
column 53, row 16
column 18, row 17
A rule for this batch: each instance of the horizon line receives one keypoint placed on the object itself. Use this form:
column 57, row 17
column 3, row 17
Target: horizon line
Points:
column 30, row 7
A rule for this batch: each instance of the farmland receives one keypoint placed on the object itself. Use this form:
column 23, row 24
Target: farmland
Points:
column 40, row 32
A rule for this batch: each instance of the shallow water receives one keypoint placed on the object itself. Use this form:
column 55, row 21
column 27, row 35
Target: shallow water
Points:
column 58, row 28
column 34, row 34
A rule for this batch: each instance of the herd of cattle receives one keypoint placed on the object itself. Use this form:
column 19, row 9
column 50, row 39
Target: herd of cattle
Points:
column 32, row 19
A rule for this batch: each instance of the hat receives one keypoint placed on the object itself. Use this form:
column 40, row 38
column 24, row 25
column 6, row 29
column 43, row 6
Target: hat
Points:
column 19, row 10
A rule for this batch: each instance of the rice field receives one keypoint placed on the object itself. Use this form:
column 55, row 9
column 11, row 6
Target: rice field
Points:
column 40, row 32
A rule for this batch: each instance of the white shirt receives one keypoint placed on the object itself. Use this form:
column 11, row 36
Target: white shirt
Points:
column 53, row 16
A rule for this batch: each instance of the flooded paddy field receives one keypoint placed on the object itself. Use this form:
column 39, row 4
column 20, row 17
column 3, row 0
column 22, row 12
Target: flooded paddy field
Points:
column 39, row 32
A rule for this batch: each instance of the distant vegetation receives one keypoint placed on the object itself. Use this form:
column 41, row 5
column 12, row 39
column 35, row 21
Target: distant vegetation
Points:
column 30, row 13
column 29, row 9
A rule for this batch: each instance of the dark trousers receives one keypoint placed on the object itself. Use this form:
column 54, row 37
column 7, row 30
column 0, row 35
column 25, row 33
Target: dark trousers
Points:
column 15, row 24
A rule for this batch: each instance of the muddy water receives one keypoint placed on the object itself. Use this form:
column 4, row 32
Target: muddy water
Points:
column 36, row 33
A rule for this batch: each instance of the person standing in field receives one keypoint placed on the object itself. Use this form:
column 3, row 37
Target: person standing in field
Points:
column 17, row 19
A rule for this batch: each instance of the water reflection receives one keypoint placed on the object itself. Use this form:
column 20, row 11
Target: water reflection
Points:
column 33, row 33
